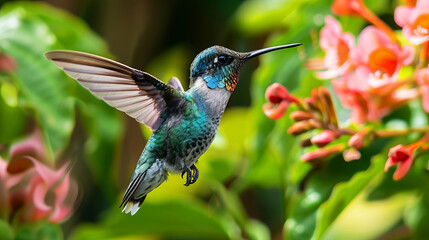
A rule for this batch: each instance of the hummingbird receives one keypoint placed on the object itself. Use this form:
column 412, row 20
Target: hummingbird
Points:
column 184, row 123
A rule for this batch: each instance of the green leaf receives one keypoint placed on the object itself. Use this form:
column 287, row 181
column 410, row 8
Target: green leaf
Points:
column 319, row 184
column 39, row 231
column 169, row 219
column 12, row 126
column 344, row 193
column 36, row 77
column 70, row 32
column 6, row 232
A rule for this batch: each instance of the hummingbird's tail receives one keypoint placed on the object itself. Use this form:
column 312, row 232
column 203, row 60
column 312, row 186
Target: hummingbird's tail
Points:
column 132, row 206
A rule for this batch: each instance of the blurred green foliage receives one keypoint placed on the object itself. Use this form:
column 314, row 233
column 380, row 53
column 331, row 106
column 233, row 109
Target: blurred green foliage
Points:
column 252, row 184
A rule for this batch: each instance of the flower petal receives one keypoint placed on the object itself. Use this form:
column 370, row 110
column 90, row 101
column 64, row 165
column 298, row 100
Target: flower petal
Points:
column 401, row 15
column 403, row 169
column 32, row 146
column 276, row 93
column 275, row 111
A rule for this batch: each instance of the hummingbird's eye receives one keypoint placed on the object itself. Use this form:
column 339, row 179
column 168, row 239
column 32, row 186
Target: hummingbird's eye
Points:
column 224, row 60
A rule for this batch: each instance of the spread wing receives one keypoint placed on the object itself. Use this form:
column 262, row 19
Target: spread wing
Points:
column 138, row 94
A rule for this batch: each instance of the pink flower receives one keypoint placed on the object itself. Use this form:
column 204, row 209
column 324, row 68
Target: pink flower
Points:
column 278, row 101
column 30, row 189
column 403, row 156
column 414, row 21
column 363, row 109
column 422, row 77
column 373, row 89
column 370, row 104
column 337, row 46
column 378, row 58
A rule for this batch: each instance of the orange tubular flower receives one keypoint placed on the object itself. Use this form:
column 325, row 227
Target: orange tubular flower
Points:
column 348, row 7
column 358, row 8
column 403, row 156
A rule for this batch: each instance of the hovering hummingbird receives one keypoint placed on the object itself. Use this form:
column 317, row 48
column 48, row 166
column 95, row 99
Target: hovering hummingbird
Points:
column 184, row 124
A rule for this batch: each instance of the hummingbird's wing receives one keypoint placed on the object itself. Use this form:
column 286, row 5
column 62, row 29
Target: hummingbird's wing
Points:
column 138, row 94
column 175, row 83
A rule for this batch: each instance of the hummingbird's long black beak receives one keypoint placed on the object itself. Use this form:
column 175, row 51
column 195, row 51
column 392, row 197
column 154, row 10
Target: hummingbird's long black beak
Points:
column 270, row 49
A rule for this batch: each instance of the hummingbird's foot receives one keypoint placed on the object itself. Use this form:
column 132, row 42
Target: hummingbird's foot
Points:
column 195, row 173
column 192, row 175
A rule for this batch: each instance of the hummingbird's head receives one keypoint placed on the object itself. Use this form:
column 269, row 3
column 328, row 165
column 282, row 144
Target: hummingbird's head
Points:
column 219, row 67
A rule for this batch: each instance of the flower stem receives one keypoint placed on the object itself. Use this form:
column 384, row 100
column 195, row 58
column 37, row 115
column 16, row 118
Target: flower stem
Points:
column 424, row 55
column 376, row 21
column 396, row 132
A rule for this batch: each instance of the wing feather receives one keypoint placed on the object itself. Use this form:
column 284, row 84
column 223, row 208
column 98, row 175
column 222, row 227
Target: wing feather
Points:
column 138, row 94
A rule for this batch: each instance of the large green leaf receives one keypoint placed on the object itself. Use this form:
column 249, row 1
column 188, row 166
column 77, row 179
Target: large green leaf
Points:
column 70, row 32
column 37, row 79
column 39, row 230
column 169, row 219
column 12, row 126
column 304, row 209
column 344, row 193
column 6, row 232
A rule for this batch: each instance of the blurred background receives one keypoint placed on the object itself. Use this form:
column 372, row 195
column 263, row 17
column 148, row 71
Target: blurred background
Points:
column 251, row 183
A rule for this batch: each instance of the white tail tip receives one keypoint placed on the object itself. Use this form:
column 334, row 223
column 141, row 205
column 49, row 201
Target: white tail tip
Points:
column 131, row 207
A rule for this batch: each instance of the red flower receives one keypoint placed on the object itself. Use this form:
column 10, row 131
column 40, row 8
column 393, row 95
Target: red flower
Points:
column 278, row 101
column 403, row 156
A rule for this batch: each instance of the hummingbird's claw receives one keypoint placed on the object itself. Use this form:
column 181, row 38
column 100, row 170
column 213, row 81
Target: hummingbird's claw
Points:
column 192, row 175
column 195, row 173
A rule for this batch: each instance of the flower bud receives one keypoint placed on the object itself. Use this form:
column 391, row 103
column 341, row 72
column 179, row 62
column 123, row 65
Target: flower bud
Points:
column 278, row 101
column 312, row 105
column 306, row 143
column 7, row 63
column 351, row 154
column 357, row 140
column 301, row 115
column 302, row 127
column 324, row 138
column 322, row 153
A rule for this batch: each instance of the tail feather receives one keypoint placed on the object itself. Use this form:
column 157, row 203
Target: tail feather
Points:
column 132, row 206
